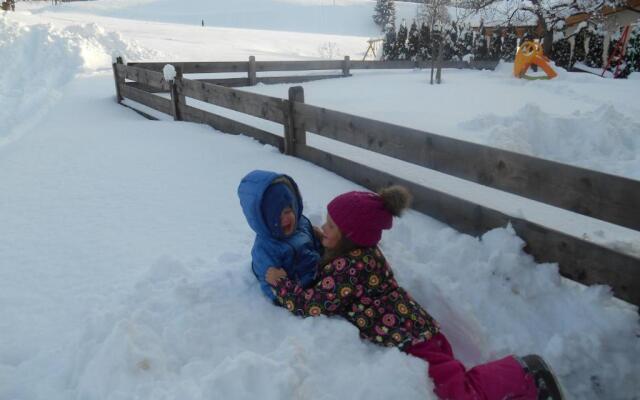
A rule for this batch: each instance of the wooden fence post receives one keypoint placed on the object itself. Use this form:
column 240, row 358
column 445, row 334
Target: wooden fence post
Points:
column 346, row 66
column 177, row 99
column 118, row 79
column 252, row 71
column 294, row 132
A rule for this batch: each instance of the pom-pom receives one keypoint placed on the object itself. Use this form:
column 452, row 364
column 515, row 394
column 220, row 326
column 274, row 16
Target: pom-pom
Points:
column 395, row 199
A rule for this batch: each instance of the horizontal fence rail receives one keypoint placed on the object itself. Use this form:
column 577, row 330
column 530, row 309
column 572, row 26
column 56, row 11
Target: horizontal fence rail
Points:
column 578, row 259
column 320, row 65
column 197, row 67
column 607, row 197
column 257, row 105
column 603, row 196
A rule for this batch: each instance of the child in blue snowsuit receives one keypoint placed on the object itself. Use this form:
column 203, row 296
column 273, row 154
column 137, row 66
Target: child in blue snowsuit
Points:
column 285, row 238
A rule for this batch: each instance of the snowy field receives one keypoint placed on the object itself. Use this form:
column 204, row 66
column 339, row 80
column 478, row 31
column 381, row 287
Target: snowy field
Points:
column 124, row 255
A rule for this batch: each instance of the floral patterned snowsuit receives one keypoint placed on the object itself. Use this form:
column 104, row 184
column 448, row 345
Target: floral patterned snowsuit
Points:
column 360, row 287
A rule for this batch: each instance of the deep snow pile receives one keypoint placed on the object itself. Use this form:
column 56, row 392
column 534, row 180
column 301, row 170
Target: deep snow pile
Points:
column 124, row 255
column 42, row 59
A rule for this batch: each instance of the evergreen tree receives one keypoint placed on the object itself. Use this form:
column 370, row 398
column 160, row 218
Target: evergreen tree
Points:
column 579, row 52
column 385, row 14
column 434, row 44
column 510, row 45
column 632, row 56
column 495, row 46
column 389, row 51
column 480, row 49
column 467, row 43
column 401, row 43
column 596, row 48
column 413, row 42
column 561, row 53
column 450, row 37
column 459, row 49
column 425, row 42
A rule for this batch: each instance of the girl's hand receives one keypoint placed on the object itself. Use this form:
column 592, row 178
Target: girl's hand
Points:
column 275, row 275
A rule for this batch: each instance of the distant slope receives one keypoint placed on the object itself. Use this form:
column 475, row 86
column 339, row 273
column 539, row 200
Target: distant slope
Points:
column 340, row 17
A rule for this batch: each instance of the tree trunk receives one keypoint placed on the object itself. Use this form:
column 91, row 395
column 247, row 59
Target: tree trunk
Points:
column 547, row 36
column 439, row 70
column 547, row 45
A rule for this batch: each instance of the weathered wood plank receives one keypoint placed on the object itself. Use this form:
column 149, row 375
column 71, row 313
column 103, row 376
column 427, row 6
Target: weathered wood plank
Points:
column 118, row 79
column 578, row 259
column 261, row 106
column 178, row 101
column 150, row 100
column 607, row 197
column 147, row 77
column 226, row 82
column 346, row 66
column 403, row 64
column 251, row 75
column 267, row 80
column 294, row 133
column 145, row 88
column 264, row 66
column 319, row 65
column 270, row 80
column 140, row 112
column 197, row 67
column 231, row 126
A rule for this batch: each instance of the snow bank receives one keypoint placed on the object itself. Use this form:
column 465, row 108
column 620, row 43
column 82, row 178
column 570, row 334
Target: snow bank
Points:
column 39, row 60
column 511, row 304
column 203, row 330
column 590, row 138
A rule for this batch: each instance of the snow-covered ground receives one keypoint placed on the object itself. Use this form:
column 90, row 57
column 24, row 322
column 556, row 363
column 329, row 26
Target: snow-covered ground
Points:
column 124, row 255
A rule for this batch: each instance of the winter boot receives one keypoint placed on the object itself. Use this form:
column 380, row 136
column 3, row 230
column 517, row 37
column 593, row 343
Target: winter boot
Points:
column 548, row 386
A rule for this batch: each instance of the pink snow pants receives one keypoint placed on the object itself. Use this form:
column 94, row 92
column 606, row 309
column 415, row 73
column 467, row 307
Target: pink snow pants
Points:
column 502, row 379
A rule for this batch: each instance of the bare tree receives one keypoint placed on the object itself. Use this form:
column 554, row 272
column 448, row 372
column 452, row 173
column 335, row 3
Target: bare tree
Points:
column 436, row 15
column 549, row 15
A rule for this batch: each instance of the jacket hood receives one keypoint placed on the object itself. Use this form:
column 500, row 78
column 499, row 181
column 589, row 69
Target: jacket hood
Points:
column 251, row 191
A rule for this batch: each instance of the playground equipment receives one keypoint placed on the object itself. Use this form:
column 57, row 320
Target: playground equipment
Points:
column 531, row 53
column 618, row 53
column 373, row 44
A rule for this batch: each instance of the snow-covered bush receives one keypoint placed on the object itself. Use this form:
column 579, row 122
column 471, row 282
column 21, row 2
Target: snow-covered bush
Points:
column 561, row 53
column 401, row 43
column 413, row 41
column 510, row 44
column 495, row 45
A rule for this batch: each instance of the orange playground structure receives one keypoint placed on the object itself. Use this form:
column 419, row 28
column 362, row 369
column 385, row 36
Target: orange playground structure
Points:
column 531, row 53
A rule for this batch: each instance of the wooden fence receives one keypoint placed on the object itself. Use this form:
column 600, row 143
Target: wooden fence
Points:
column 606, row 197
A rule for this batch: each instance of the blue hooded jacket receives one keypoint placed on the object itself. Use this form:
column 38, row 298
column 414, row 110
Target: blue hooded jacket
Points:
column 298, row 253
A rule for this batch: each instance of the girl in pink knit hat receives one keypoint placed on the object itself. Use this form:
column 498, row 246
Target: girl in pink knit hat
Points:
column 356, row 282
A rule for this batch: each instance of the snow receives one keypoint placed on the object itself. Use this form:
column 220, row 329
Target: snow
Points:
column 125, row 267
column 169, row 72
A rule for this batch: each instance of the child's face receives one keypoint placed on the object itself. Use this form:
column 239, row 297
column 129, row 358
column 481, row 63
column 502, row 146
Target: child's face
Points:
column 331, row 234
column 288, row 221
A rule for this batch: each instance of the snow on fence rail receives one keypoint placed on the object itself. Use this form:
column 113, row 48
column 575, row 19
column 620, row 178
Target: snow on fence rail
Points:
column 252, row 67
column 606, row 197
